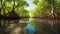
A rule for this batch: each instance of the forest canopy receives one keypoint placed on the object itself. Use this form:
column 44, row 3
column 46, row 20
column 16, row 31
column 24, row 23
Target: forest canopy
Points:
column 46, row 7
column 17, row 6
column 42, row 8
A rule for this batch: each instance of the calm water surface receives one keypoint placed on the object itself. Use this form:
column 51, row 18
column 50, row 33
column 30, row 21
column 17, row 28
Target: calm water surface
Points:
column 33, row 25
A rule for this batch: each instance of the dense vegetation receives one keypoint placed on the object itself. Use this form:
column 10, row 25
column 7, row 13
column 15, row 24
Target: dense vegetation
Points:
column 42, row 8
column 17, row 6
column 46, row 7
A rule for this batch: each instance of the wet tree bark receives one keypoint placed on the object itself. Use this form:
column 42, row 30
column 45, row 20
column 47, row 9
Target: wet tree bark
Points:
column 54, row 29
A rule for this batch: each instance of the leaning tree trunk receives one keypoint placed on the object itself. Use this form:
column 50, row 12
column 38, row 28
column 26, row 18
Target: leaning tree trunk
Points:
column 13, row 6
column 1, row 8
column 4, row 8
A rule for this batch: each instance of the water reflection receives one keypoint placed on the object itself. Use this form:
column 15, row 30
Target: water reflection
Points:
column 46, row 26
column 30, row 26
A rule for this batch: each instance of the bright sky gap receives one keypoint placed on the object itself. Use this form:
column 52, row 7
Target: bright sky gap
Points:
column 31, row 5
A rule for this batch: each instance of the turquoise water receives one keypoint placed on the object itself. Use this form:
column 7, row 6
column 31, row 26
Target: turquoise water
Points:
column 30, row 29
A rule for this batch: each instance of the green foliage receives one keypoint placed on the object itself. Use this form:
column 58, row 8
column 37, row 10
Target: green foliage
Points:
column 22, row 12
column 7, row 6
column 43, row 7
column 35, row 1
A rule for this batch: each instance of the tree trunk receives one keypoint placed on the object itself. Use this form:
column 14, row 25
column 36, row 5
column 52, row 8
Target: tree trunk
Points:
column 52, row 6
column 4, row 8
column 1, row 8
column 13, row 5
column 53, row 16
